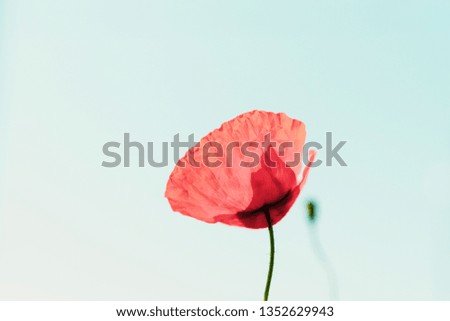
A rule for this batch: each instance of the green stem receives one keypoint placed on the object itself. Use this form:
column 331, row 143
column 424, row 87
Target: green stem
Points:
column 272, row 253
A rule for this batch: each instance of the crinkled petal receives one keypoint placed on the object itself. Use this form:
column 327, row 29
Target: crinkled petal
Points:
column 222, row 193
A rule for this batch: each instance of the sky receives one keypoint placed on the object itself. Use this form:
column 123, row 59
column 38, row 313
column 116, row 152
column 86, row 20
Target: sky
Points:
column 77, row 74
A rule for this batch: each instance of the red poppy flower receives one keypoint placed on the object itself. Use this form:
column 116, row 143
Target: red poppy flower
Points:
column 225, row 188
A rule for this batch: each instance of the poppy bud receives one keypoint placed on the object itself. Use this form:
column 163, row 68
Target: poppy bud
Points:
column 311, row 209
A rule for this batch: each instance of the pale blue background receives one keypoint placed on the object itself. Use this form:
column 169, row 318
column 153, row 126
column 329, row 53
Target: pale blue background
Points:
column 76, row 74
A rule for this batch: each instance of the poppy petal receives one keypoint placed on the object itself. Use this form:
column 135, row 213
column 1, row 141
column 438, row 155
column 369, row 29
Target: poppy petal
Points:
column 222, row 193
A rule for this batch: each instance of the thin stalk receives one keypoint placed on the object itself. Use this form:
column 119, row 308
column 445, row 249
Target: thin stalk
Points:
column 272, row 253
